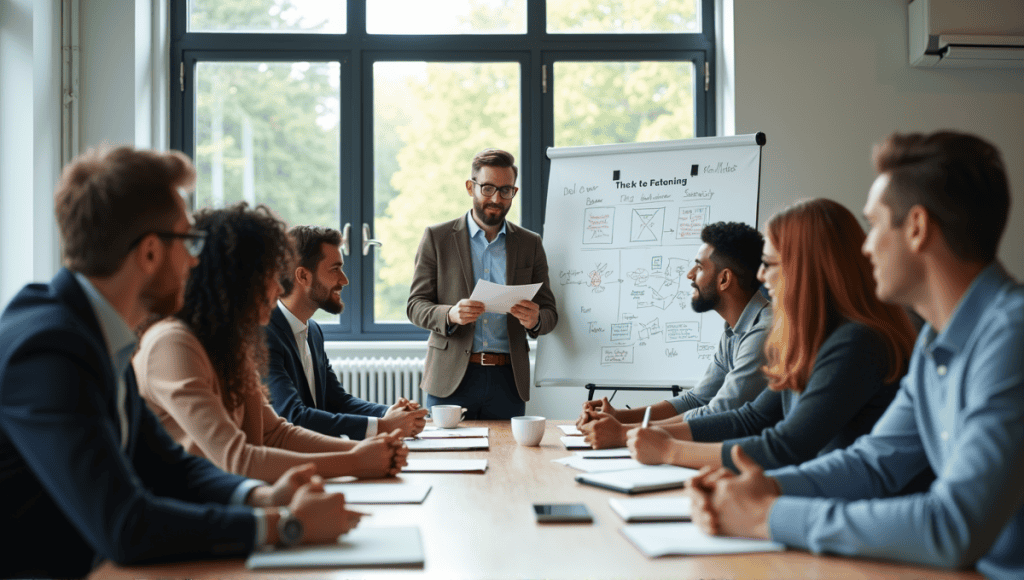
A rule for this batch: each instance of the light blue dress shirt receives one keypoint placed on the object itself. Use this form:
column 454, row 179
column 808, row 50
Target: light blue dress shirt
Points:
column 734, row 376
column 489, row 262
column 960, row 409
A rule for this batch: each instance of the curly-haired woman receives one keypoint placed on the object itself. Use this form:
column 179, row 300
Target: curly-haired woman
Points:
column 199, row 369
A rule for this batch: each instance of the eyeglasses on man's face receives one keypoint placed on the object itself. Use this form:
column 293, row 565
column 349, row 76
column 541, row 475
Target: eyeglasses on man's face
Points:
column 487, row 189
column 193, row 240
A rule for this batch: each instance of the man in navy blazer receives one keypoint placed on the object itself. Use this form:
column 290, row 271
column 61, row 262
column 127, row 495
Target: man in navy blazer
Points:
column 86, row 471
column 325, row 407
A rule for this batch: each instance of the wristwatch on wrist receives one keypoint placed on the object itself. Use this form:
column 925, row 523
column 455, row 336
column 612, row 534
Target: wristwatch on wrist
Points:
column 289, row 528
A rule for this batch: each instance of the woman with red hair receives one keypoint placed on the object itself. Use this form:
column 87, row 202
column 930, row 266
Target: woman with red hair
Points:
column 835, row 353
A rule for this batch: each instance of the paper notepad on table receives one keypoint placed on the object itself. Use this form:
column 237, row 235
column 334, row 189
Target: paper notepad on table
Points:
column 574, row 442
column 380, row 492
column 652, row 509
column 617, row 453
column 445, row 465
column 499, row 298
column 432, row 432
column 570, row 430
column 656, row 540
column 598, row 465
column 362, row 547
column 649, row 478
column 451, row 444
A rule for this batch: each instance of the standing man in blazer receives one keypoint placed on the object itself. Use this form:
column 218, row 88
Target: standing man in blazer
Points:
column 308, row 392
column 88, row 472
column 474, row 359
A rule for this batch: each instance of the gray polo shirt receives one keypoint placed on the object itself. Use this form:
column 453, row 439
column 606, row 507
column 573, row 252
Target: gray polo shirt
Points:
column 734, row 377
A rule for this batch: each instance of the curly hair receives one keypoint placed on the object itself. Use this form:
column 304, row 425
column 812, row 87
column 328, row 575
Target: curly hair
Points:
column 737, row 247
column 246, row 250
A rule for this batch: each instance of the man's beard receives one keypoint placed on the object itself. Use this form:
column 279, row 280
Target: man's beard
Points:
column 162, row 296
column 479, row 209
column 324, row 298
column 705, row 299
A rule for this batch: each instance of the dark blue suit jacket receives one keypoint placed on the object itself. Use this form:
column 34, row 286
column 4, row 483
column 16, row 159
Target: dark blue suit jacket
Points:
column 336, row 412
column 69, row 496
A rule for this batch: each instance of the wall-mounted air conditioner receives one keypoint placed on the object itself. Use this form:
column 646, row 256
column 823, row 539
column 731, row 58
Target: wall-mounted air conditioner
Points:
column 967, row 33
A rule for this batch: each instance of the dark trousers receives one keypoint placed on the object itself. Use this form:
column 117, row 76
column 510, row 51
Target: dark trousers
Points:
column 487, row 392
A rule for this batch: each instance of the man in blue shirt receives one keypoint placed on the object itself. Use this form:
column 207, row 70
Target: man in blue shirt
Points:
column 475, row 359
column 87, row 472
column 937, row 211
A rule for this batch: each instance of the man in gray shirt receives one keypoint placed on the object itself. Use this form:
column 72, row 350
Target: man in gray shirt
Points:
column 724, row 278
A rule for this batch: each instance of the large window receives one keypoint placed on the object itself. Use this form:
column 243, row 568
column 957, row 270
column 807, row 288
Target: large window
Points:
column 364, row 115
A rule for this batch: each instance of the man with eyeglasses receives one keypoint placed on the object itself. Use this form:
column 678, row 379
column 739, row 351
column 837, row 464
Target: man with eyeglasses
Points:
column 87, row 473
column 475, row 359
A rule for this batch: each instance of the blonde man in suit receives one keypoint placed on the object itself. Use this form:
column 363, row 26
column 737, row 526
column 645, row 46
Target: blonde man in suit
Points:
column 474, row 359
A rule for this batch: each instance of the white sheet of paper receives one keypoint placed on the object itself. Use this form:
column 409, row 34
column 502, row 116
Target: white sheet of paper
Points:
column 575, row 443
column 499, row 298
column 380, row 492
column 432, row 432
column 652, row 509
column 598, row 465
column 570, row 430
column 656, row 540
column 453, row 444
column 445, row 466
column 617, row 453
column 362, row 547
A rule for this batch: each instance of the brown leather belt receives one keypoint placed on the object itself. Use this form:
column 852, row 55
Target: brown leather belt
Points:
column 490, row 359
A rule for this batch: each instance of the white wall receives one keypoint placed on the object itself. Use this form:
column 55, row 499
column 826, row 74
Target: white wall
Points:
column 827, row 79
column 29, row 141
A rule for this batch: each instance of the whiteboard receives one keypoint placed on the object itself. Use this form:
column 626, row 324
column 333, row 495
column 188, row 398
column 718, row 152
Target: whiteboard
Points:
column 621, row 229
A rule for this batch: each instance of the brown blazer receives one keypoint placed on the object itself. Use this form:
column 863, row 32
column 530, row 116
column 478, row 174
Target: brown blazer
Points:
column 444, row 275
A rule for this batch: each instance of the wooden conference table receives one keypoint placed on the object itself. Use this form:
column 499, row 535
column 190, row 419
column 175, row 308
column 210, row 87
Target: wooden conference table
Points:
column 477, row 525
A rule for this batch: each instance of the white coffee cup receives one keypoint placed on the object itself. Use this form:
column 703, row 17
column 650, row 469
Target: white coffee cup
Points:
column 528, row 430
column 447, row 416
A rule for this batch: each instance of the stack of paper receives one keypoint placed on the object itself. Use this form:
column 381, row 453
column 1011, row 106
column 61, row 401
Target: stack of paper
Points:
column 652, row 509
column 570, row 430
column 656, row 540
column 433, row 432
column 647, row 478
column 445, row 466
column 598, row 465
column 450, row 444
column 575, row 442
column 380, row 492
column 362, row 547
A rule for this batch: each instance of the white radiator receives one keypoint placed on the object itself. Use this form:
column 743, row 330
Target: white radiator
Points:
column 381, row 380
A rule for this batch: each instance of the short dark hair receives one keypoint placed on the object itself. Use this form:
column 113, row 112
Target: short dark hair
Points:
column 308, row 241
column 960, row 181
column 494, row 158
column 108, row 198
column 738, row 247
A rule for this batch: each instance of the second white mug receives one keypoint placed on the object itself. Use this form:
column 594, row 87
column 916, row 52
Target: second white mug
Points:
column 447, row 416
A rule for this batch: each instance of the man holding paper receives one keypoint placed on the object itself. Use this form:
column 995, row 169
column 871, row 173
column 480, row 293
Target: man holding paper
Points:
column 475, row 359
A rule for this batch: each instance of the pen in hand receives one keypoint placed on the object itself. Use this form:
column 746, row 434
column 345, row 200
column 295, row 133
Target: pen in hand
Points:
column 647, row 418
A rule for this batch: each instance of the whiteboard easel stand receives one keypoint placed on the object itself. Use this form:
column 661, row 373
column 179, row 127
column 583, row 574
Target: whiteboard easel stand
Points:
column 591, row 387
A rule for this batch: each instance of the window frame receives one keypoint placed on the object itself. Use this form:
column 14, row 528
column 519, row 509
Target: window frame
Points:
column 357, row 51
